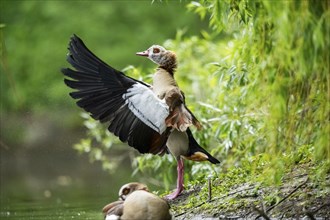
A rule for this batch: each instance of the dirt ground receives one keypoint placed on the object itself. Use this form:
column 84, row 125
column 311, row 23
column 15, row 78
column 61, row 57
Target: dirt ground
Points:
column 297, row 197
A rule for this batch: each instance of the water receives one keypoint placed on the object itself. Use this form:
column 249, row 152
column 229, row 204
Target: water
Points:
column 51, row 209
column 43, row 177
column 48, row 182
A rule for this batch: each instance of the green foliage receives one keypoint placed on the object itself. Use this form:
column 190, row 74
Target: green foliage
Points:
column 275, row 79
column 98, row 133
column 34, row 36
column 259, row 82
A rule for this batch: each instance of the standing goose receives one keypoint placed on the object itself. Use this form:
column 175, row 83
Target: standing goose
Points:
column 136, row 202
column 152, row 119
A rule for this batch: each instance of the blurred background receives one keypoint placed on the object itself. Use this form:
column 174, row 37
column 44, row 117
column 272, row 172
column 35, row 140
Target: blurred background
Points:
column 39, row 121
column 255, row 73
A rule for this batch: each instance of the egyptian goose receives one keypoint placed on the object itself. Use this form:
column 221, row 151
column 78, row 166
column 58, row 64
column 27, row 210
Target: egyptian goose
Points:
column 152, row 119
column 136, row 202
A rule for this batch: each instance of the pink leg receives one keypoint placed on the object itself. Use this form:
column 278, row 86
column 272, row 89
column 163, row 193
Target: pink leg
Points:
column 179, row 186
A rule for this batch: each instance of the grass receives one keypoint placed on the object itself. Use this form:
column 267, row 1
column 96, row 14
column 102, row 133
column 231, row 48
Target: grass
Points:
column 238, row 195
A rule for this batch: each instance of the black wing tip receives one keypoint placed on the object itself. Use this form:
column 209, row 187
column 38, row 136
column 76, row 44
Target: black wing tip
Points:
column 65, row 70
column 207, row 156
column 213, row 160
column 75, row 42
column 75, row 37
column 195, row 147
column 70, row 83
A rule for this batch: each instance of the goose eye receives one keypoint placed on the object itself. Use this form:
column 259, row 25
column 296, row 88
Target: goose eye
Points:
column 126, row 191
column 156, row 50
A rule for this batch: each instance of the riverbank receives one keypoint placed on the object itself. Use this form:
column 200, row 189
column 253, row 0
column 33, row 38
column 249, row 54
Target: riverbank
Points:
column 298, row 196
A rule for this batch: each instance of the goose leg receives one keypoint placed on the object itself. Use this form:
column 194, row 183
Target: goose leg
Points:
column 179, row 187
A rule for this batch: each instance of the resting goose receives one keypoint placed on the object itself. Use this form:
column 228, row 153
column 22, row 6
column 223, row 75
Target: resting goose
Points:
column 136, row 202
column 152, row 119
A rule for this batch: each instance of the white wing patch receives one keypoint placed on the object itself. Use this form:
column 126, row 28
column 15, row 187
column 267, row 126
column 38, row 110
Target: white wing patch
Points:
column 147, row 107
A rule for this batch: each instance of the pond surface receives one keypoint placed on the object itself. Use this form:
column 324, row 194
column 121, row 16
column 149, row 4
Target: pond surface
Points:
column 47, row 182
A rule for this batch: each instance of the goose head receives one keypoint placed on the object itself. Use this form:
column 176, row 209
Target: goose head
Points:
column 164, row 58
column 128, row 188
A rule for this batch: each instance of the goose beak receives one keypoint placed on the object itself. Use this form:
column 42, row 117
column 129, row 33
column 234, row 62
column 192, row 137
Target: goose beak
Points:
column 143, row 53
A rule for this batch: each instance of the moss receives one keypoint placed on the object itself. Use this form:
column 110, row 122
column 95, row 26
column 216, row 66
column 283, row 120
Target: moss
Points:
column 235, row 193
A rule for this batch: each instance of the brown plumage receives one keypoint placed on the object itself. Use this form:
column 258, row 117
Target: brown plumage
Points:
column 136, row 203
column 113, row 209
column 180, row 117
column 165, row 87
column 152, row 119
column 180, row 143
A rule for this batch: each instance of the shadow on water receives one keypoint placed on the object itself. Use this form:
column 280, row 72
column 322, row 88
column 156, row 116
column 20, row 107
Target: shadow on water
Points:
column 45, row 178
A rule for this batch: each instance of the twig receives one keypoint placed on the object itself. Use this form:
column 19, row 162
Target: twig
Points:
column 322, row 206
column 286, row 211
column 182, row 213
column 261, row 213
column 311, row 213
column 214, row 199
column 210, row 188
column 287, row 196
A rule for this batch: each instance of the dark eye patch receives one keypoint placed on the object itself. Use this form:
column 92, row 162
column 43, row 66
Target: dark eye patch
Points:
column 156, row 50
column 126, row 191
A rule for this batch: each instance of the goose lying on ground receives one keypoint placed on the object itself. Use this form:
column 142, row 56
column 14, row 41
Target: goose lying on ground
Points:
column 136, row 202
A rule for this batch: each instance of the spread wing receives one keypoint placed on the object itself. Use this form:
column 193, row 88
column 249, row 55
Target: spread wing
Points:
column 130, row 107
